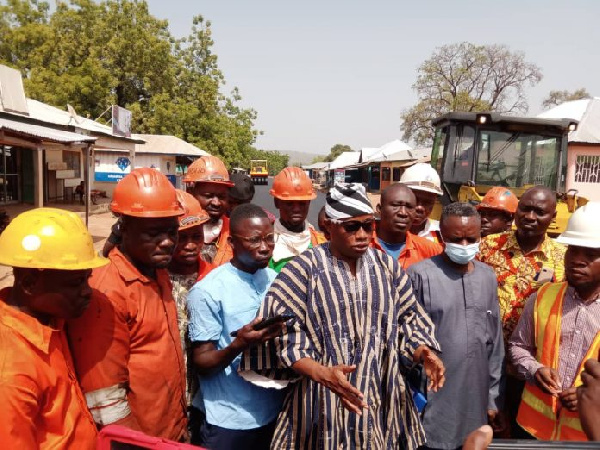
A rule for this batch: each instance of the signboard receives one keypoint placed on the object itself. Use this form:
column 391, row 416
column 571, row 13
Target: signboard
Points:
column 121, row 121
column 62, row 174
column 108, row 176
column 339, row 176
column 57, row 165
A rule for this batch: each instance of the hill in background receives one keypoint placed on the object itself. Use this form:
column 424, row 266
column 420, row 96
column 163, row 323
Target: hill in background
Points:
column 303, row 158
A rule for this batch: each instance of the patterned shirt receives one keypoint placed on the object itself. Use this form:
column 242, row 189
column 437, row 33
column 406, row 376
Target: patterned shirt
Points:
column 520, row 275
column 370, row 320
column 579, row 325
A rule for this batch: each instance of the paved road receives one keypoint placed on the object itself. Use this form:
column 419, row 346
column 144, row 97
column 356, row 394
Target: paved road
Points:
column 264, row 199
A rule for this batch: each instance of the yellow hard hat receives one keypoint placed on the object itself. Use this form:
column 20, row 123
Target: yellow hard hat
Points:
column 48, row 238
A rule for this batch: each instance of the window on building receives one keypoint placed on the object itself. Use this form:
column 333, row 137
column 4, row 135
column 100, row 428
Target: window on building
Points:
column 73, row 160
column 396, row 174
column 587, row 169
column 385, row 174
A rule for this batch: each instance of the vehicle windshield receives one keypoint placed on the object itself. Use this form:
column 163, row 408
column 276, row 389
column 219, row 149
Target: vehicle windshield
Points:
column 517, row 159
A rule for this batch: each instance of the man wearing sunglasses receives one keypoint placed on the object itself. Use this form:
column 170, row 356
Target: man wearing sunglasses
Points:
column 357, row 327
column 396, row 212
column 238, row 414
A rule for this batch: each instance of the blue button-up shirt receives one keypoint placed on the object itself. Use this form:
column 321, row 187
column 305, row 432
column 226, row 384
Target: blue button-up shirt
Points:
column 224, row 301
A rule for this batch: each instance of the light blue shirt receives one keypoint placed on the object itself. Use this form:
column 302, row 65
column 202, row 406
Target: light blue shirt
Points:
column 393, row 250
column 224, row 301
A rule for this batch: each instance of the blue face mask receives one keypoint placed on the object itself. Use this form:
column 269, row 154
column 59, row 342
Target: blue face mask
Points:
column 461, row 254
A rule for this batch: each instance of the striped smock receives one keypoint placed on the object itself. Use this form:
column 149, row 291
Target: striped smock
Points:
column 371, row 321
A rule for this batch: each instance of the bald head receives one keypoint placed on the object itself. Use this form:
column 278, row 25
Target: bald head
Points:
column 536, row 210
column 540, row 192
column 394, row 190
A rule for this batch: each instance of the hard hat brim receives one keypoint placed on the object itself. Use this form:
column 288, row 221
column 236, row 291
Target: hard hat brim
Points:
column 194, row 224
column 148, row 214
column 577, row 241
column 225, row 183
column 293, row 197
column 418, row 187
column 97, row 261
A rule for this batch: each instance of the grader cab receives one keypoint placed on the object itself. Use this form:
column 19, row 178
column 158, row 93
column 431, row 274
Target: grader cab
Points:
column 474, row 152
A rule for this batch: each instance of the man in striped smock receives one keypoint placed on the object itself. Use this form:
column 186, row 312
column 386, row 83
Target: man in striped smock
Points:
column 357, row 327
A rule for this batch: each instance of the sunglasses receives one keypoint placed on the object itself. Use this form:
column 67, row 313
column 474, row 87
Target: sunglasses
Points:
column 352, row 226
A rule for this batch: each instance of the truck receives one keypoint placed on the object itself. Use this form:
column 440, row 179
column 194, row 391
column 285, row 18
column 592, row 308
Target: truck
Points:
column 259, row 171
column 473, row 152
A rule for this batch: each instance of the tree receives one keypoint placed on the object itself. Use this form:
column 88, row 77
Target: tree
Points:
column 318, row 159
column 555, row 98
column 336, row 151
column 94, row 54
column 468, row 77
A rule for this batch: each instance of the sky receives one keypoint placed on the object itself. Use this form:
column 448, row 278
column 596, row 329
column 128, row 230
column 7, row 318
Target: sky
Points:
column 341, row 71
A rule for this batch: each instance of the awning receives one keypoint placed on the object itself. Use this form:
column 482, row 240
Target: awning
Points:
column 44, row 133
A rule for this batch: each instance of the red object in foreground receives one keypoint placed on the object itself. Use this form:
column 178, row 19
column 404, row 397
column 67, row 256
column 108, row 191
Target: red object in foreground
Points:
column 117, row 437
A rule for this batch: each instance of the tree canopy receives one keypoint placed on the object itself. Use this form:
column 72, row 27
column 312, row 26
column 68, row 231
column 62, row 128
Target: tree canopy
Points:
column 555, row 98
column 468, row 77
column 92, row 55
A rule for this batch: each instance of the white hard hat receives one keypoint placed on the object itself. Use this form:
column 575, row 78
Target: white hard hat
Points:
column 582, row 229
column 422, row 177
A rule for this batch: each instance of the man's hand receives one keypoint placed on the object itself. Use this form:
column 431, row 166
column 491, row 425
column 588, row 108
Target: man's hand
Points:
column 433, row 365
column 247, row 336
column 588, row 396
column 548, row 380
column 568, row 399
column 497, row 420
column 335, row 379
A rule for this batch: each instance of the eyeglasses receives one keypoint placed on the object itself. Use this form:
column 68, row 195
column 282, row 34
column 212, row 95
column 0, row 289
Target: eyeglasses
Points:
column 352, row 226
column 255, row 241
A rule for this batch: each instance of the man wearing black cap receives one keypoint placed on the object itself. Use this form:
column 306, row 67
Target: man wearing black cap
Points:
column 356, row 326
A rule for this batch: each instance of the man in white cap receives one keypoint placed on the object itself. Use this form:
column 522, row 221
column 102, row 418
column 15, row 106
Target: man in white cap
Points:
column 558, row 332
column 427, row 187
column 356, row 328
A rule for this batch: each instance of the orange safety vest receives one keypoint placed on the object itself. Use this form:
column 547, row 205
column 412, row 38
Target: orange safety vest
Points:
column 316, row 237
column 224, row 250
column 541, row 414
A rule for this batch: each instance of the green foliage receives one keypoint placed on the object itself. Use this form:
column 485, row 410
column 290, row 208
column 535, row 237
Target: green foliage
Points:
column 318, row 159
column 468, row 77
column 336, row 151
column 95, row 54
column 277, row 160
column 555, row 98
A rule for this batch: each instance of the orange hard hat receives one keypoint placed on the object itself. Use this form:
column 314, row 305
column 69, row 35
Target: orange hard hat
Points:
column 194, row 214
column 500, row 198
column 292, row 183
column 207, row 169
column 145, row 192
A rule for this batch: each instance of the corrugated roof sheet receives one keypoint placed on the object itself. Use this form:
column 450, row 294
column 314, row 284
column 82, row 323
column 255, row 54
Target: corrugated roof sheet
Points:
column 345, row 159
column 586, row 112
column 44, row 133
column 317, row 165
column 167, row 145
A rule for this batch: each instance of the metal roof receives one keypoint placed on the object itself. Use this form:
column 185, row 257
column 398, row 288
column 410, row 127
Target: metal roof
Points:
column 167, row 145
column 44, row 133
column 344, row 160
column 586, row 112
column 318, row 165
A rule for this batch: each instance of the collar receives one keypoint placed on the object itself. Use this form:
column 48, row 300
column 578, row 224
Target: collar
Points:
column 246, row 276
column 408, row 242
column 25, row 325
column 571, row 290
column 129, row 272
column 511, row 243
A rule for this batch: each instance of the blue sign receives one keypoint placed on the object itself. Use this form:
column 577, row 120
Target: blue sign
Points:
column 172, row 179
column 123, row 163
column 109, row 176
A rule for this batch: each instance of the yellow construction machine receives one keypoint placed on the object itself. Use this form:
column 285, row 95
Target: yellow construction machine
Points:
column 473, row 152
column 259, row 171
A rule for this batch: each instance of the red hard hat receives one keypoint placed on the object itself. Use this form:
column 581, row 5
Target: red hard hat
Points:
column 500, row 198
column 194, row 214
column 208, row 169
column 292, row 183
column 147, row 193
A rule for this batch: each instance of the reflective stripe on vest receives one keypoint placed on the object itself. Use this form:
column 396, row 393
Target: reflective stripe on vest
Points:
column 542, row 414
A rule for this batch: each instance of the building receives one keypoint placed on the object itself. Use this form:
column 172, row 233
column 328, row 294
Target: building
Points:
column 583, row 154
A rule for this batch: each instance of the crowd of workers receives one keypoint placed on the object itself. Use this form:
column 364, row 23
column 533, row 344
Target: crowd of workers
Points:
column 386, row 329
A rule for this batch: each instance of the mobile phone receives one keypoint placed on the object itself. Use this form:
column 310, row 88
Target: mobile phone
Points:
column 265, row 323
